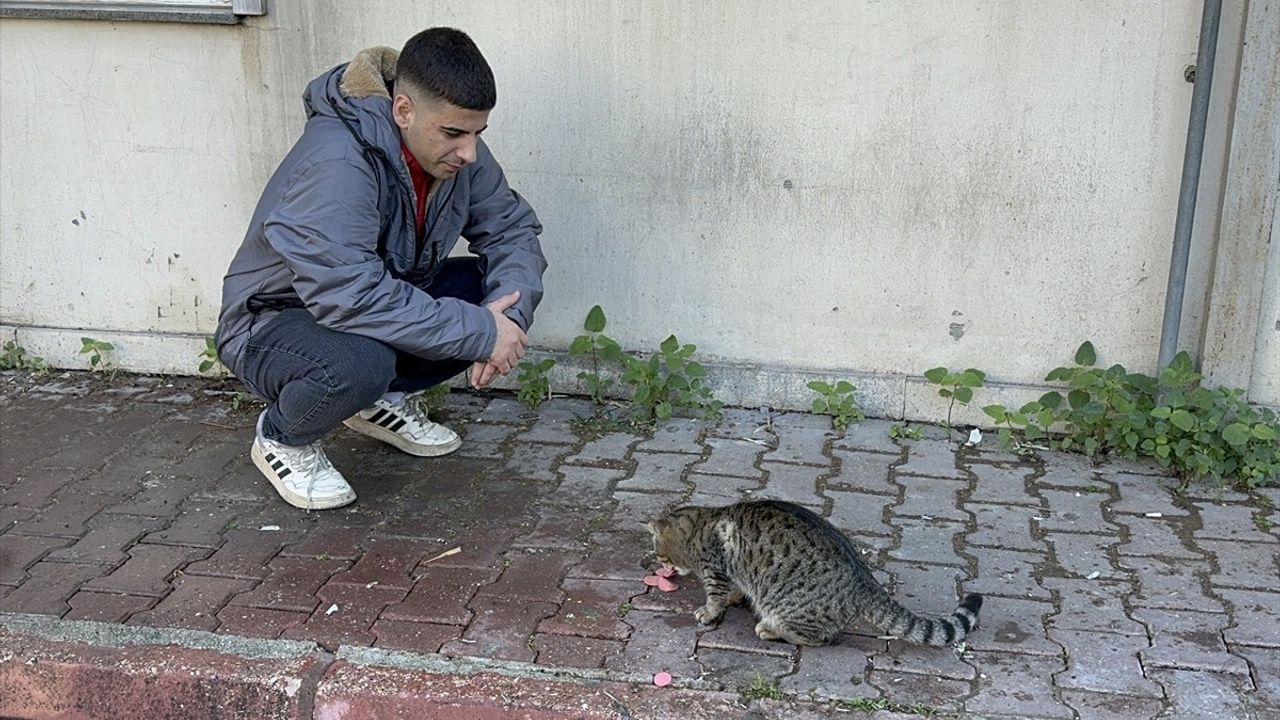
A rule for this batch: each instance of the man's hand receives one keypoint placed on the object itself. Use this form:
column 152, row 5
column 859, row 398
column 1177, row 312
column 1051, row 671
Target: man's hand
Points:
column 482, row 373
column 509, row 346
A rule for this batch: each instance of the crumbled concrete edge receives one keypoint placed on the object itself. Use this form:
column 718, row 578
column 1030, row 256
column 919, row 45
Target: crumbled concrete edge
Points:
column 443, row 665
column 120, row 636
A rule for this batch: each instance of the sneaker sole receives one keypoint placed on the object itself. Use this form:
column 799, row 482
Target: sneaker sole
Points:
column 377, row 432
column 291, row 497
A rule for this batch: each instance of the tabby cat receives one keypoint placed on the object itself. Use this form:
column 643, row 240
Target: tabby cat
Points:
column 803, row 578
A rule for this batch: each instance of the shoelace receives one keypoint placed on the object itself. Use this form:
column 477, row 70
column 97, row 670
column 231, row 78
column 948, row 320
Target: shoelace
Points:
column 415, row 413
column 313, row 459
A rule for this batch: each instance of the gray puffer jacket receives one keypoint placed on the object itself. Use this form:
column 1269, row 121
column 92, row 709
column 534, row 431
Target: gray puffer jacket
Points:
column 334, row 232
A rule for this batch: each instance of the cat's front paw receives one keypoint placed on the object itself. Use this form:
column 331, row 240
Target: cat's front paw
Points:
column 707, row 614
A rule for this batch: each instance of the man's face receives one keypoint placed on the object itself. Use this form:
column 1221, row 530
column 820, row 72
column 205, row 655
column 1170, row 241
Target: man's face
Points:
column 441, row 136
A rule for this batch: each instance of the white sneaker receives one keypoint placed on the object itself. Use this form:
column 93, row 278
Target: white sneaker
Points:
column 404, row 425
column 303, row 476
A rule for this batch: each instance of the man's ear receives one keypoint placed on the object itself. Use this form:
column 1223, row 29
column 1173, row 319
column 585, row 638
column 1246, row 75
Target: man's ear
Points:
column 402, row 110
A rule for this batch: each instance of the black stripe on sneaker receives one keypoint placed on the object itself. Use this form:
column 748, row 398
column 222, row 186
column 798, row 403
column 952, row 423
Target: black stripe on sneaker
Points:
column 270, row 457
column 284, row 473
column 277, row 465
column 399, row 423
column 379, row 416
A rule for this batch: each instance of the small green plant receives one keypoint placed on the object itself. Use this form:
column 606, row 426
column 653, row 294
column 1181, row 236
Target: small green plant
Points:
column 900, row 431
column 624, row 609
column 958, row 387
column 760, row 687
column 16, row 357
column 871, row 705
column 1195, row 431
column 209, row 358
column 837, row 400
column 96, row 350
column 433, row 397
column 535, row 386
column 669, row 380
column 601, row 348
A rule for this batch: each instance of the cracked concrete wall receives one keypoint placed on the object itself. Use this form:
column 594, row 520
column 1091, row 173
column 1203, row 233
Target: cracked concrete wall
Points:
column 874, row 187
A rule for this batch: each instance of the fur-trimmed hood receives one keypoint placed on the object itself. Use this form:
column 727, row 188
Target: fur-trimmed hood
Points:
column 360, row 92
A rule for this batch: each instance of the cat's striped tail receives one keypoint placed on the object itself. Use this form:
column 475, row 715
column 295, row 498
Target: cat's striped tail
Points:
column 900, row 622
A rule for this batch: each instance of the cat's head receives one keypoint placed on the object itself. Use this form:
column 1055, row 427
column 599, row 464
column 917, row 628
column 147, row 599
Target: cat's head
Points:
column 672, row 535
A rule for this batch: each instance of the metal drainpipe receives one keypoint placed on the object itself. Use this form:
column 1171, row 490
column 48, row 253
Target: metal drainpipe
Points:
column 1190, row 181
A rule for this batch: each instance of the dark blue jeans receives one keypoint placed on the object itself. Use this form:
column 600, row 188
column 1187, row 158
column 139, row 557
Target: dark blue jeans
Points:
column 314, row 378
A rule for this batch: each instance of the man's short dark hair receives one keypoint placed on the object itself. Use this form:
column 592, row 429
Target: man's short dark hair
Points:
column 447, row 65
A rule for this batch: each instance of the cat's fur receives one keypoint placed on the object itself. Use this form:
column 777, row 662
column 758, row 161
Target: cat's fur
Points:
column 803, row 578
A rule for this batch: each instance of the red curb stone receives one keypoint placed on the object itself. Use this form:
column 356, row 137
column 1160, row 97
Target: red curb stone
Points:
column 414, row 636
column 570, row 651
column 47, row 588
column 292, row 584
column 441, row 595
column 48, row 680
column 351, row 691
column 20, row 552
column 148, row 570
column 106, row 607
column 193, row 603
column 258, row 622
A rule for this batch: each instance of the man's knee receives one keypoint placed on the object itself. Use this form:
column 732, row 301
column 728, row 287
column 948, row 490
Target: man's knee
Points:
column 364, row 371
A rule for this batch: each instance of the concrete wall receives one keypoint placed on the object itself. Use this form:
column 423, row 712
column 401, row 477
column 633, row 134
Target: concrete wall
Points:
column 836, row 187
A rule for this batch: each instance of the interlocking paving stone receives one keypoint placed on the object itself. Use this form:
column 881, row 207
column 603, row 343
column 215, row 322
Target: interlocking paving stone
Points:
column 351, row 622
column 148, row 571
column 193, row 604
column 1141, row 494
column 730, row 456
column 715, row 490
column 413, row 636
column 1106, row 706
column 859, row 512
column 587, row 486
column 614, row 556
column 1067, row 470
column 1188, row 640
column 1244, row 565
column 502, row 628
column 736, row 631
column 47, row 588
column 65, row 516
column 928, row 541
column 930, row 498
column 1015, row 626
column 591, row 609
column 678, row 435
column 1257, row 617
column 533, row 461
column 533, row 575
column 912, row 689
column 106, row 607
column 478, row 547
column 1004, row 526
column 258, row 622
column 863, row 472
column 1173, row 584
column 1075, row 512
column 11, row 517
column 1084, row 555
column 1104, row 662
column 657, row 472
column 1265, row 664
column 659, row 641
column 554, row 422
column 561, row 526
column 245, row 554
column 388, row 562
column 504, row 410
column 736, row 670
column 925, row 589
column 1196, row 695
column 332, row 542
column 1008, row 573
column 106, row 542
column 793, row 483
column 684, row 601
column 739, row 422
column 870, row 435
column 801, row 437
column 635, row 509
column 611, row 447
column 20, row 552
column 1153, row 537
column 835, row 671
column 34, row 488
column 441, row 595
column 1018, row 685
column 481, row 439
column 932, row 458
column 1001, row 485
column 933, row 661
column 1229, row 522
column 1092, row 605
column 573, row 651
column 199, row 524
column 292, row 584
